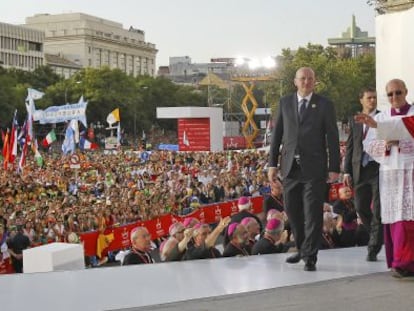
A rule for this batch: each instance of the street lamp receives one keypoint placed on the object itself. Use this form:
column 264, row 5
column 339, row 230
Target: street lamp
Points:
column 143, row 87
column 66, row 91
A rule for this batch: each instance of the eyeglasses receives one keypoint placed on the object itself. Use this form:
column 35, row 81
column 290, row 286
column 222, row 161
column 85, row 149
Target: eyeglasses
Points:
column 396, row 93
column 303, row 79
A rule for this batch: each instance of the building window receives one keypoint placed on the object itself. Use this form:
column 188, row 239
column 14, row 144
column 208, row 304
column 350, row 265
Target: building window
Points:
column 89, row 49
column 35, row 46
column 89, row 62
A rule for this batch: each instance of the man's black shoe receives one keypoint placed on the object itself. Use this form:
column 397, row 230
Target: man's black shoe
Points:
column 310, row 266
column 295, row 258
column 372, row 257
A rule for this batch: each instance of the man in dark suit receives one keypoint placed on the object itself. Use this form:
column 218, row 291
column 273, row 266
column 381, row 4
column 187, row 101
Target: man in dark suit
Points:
column 305, row 127
column 362, row 172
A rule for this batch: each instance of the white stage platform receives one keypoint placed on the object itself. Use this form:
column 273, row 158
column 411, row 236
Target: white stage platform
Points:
column 117, row 288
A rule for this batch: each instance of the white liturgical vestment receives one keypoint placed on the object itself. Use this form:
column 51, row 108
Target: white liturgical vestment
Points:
column 396, row 178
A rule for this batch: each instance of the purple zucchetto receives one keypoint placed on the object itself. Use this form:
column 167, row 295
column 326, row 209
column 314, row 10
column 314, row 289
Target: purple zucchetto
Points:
column 243, row 203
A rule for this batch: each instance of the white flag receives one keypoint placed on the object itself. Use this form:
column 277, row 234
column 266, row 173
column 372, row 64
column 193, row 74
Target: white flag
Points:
column 34, row 94
column 186, row 142
column 75, row 126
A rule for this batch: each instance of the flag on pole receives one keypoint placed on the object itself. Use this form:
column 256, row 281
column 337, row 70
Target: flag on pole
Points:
column 13, row 140
column 34, row 94
column 6, row 149
column 113, row 117
column 186, row 142
column 26, row 137
column 38, row 157
column 68, row 145
column 85, row 144
column 49, row 139
column 75, row 126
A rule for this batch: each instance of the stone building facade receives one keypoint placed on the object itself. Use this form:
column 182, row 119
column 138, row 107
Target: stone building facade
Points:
column 21, row 47
column 91, row 41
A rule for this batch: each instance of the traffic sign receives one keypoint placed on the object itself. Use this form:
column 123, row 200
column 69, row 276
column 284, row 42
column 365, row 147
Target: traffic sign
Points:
column 74, row 161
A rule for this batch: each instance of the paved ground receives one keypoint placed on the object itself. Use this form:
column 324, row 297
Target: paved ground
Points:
column 374, row 292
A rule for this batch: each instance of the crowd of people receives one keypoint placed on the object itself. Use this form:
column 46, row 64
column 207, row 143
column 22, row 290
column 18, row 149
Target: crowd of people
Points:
column 57, row 203
column 111, row 189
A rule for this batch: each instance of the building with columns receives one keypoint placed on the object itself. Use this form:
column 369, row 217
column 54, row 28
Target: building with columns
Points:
column 21, row 47
column 91, row 41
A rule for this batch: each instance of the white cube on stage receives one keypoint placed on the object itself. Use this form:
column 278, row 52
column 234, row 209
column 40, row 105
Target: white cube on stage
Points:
column 53, row 257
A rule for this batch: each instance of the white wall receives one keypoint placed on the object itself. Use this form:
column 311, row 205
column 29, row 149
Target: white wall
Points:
column 395, row 52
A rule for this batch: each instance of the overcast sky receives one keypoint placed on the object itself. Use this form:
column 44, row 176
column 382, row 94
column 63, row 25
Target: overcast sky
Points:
column 214, row 28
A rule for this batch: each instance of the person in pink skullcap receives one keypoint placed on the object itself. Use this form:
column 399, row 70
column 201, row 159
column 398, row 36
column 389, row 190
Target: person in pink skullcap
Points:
column 189, row 222
column 204, row 241
column 238, row 245
column 273, row 239
column 253, row 230
column 245, row 210
column 173, row 249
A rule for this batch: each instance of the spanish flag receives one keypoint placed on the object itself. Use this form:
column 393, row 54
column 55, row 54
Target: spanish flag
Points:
column 113, row 117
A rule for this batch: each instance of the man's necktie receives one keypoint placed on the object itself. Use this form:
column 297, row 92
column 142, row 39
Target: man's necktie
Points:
column 302, row 108
column 365, row 159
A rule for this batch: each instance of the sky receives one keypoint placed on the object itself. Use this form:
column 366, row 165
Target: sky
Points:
column 214, row 28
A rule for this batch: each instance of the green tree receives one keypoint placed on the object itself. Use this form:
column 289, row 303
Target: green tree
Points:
column 340, row 79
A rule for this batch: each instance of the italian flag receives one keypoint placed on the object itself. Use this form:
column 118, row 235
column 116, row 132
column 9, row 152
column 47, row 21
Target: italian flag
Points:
column 49, row 139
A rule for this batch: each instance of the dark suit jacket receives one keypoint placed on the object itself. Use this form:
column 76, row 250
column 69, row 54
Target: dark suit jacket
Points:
column 315, row 138
column 354, row 149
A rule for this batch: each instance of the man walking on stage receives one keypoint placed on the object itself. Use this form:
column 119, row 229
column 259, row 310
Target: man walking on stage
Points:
column 306, row 129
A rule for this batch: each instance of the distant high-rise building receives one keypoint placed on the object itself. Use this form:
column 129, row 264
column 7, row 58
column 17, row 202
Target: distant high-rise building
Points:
column 21, row 47
column 353, row 42
column 91, row 41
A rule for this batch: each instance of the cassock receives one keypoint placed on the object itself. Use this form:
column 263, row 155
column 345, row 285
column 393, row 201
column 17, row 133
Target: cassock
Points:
column 396, row 183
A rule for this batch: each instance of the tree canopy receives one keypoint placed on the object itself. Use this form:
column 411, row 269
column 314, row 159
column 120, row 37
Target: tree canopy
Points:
column 340, row 79
column 105, row 89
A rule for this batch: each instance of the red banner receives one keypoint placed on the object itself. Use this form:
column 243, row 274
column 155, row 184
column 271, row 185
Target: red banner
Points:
column 6, row 266
column 234, row 142
column 158, row 227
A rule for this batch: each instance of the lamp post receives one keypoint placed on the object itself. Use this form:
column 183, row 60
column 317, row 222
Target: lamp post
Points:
column 143, row 88
column 66, row 91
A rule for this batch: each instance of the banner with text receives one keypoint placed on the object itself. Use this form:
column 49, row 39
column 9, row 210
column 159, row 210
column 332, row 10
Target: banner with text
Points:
column 57, row 114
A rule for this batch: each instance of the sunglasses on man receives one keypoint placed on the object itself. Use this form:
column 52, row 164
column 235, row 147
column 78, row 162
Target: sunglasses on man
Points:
column 396, row 93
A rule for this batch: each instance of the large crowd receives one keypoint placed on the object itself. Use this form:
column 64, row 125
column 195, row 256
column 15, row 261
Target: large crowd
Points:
column 57, row 203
